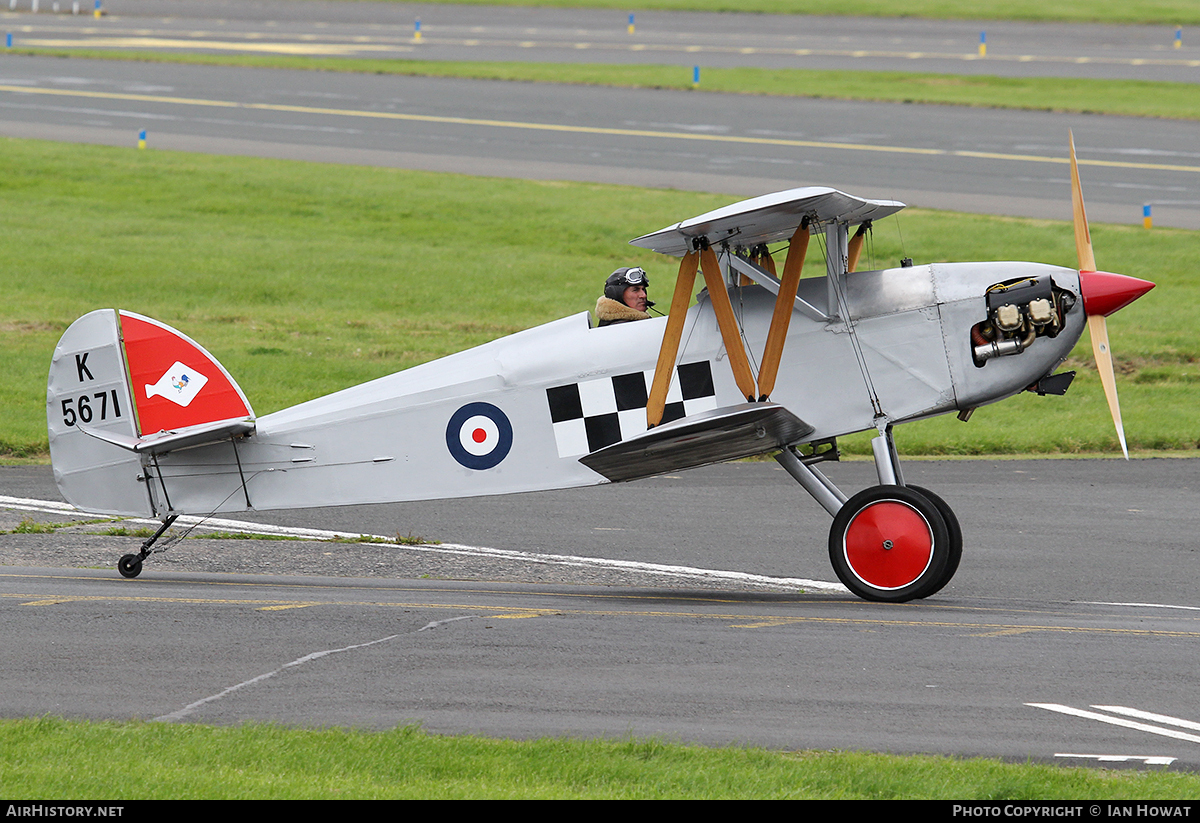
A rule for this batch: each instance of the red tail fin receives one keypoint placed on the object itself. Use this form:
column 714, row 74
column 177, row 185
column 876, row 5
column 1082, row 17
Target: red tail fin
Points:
column 174, row 381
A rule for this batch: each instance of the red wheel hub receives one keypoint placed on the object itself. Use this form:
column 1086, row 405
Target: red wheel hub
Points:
column 888, row 545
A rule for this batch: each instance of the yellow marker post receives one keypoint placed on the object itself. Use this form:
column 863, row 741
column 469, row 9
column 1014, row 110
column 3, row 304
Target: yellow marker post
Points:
column 141, row 139
column 96, row 13
column 417, row 32
column 1178, row 37
column 1146, row 221
column 983, row 44
column 631, row 24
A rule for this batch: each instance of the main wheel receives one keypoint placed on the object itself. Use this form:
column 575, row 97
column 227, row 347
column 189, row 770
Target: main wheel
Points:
column 889, row 543
column 956, row 538
column 130, row 565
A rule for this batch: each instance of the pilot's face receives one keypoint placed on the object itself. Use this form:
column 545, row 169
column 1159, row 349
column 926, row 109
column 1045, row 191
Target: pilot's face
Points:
column 635, row 297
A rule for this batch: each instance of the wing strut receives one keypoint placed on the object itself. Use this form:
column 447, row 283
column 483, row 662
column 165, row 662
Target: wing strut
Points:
column 684, row 283
column 856, row 244
column 706, row 260
column 761, row 257
column 782, row 316
column 718, row 294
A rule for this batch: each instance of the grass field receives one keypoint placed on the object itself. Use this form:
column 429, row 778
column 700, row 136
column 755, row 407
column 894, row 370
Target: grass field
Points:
column 1129, row 97
column 47, row 758
column 1167, row 12
column 306, row 278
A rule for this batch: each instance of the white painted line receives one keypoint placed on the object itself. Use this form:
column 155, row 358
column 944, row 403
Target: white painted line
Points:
column 681, row 572
column 191, row 707
column 36, row 505
column 1156, row 718
column 1116, row 721
column 1148, row 759
column 1141, row 605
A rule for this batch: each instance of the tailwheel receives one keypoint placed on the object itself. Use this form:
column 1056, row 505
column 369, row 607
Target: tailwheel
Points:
column 130, row 565
column 891, row 544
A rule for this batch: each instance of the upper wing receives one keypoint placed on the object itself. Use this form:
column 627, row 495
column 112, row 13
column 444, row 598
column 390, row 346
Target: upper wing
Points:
column 769, row 218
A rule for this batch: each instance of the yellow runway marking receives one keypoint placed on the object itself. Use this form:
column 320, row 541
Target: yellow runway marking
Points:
column 734, row 620
column 312, row 49
column 96, row 36
column 556, row 127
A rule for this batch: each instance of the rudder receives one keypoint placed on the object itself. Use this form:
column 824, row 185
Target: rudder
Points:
column 117, row 383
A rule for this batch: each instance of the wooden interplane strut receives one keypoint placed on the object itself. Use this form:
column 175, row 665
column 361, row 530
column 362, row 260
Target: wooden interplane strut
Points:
column 784, row 305
column 670, row 342
column 731, row 336
column 706, row 260
column 854, row 251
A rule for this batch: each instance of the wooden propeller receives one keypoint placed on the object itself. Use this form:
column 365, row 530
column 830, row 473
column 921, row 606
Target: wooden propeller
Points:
column 1103, row 293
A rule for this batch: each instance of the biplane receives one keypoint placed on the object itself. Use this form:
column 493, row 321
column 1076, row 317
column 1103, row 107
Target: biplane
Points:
column 143, row 421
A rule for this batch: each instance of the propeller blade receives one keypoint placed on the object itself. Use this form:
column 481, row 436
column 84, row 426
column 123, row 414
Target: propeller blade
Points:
column 1083, row 237
column 1098, row 330
column 1103, row 293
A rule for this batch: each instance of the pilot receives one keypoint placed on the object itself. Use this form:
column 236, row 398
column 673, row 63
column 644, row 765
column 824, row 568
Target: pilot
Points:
column 624, row 297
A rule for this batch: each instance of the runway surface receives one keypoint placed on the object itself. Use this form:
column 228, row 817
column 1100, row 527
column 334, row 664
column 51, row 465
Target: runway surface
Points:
column 497, row 33
column 982, row 160
column 696, row 607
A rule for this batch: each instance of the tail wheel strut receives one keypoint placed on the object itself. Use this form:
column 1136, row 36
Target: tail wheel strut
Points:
column 130, row 565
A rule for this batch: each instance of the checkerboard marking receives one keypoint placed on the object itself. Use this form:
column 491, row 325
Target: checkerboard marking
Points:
column 596, row 413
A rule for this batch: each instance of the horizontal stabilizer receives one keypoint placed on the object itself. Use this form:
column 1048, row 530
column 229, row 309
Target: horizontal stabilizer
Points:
column 167, row 441
column 714, row 436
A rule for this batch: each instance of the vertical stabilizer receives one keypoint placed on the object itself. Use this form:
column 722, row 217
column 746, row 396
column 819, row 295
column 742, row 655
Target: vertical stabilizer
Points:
column 124, row 388
column 88, row 387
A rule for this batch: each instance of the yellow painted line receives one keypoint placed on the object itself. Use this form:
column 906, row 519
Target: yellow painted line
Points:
column 312, row 49
column 556, row 127
column 284, row 608
column 971, row 628
column 95, row 35
column 858, row 54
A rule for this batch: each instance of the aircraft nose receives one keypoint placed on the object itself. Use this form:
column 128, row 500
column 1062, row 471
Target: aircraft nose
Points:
column 1105, row 292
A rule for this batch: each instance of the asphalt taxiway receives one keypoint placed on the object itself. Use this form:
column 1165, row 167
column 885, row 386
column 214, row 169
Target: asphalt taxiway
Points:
column 590, row 613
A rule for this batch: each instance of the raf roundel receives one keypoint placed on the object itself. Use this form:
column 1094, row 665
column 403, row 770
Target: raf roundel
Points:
column 479, row 436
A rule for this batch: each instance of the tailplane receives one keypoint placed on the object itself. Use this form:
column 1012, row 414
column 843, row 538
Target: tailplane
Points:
column 122, row 389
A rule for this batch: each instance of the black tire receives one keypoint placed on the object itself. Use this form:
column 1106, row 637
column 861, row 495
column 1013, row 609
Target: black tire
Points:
column 130, row 565
column 956, row 537
column 889, row 544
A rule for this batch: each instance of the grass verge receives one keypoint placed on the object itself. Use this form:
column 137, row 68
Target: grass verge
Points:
column 1124, row 97
column 49, row 758
column 1166, row 12
column 306, row 278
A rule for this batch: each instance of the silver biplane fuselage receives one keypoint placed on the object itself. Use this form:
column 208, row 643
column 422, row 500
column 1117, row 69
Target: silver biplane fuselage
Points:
column 386, row 440
column 566, row 404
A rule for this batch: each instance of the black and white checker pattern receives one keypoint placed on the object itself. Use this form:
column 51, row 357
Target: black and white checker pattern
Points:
column 596, row 413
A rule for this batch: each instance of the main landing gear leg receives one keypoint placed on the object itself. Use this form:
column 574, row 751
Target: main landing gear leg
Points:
column 890, row 542
column 131, row 564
